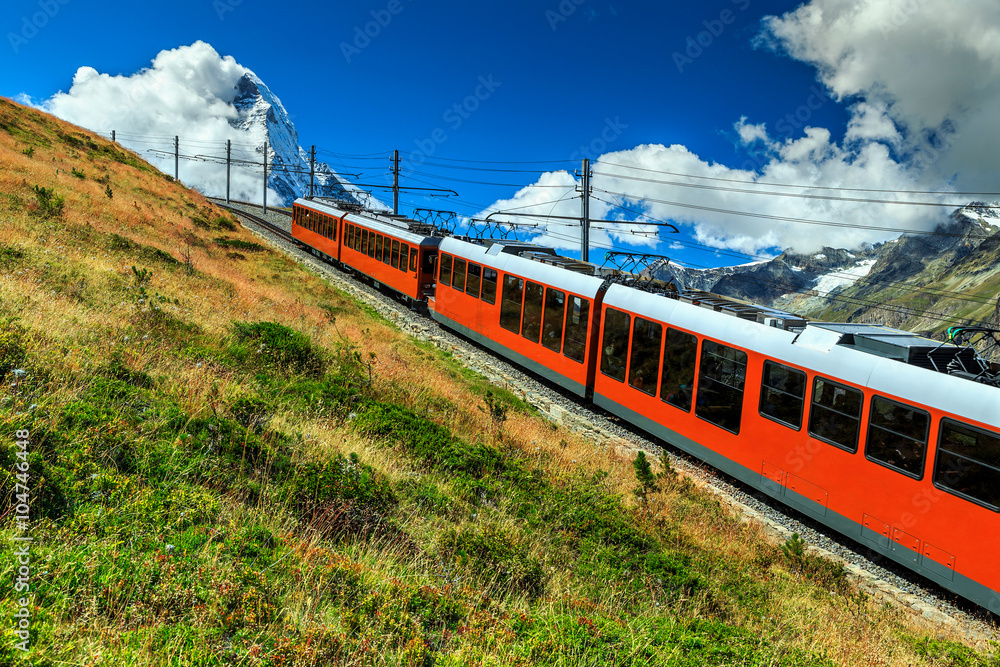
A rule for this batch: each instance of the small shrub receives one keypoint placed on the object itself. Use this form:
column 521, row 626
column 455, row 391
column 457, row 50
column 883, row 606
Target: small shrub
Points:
column 342, row 496
column 648, row 483
column 496, row 553
column 108, row 192
column 278, row 346
column 50, row 205
column 824, row 572
column 10, row 257
column 252, row 413
column 222, row 222
column 236, row 244
column 30, row 151
column 79, row 173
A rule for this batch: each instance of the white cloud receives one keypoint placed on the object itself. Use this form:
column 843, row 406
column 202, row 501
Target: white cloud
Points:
column 186, row 92
column 930, row 67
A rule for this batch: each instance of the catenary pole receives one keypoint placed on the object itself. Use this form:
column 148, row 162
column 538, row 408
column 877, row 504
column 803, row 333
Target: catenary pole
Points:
column 585, row 212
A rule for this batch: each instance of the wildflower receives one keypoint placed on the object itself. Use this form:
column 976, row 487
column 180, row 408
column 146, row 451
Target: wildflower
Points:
column 19, row 372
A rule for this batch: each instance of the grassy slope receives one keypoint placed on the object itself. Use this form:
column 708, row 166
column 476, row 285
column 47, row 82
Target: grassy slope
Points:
column 233, row 463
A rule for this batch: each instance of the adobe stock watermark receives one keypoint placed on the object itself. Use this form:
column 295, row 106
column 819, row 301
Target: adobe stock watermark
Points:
column 22, row 552
column 364, row 35
column 599, row 144
column 713, row 30
column 787, row 125
column 456, row 115
column 31, row 25
column 562, row 13
column 223, row 7
column 903, row 10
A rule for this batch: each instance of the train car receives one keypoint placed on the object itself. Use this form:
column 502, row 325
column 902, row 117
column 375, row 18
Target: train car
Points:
column 382, row 248
column 318, row 226
column 506, row 297
column 837, row 420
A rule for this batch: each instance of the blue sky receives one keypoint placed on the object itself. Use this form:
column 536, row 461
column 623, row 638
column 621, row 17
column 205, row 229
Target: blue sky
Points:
column 539, row 81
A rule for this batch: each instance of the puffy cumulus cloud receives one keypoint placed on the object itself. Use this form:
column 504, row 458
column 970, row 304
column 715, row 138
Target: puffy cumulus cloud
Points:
column 186, row 92
column 927, row 67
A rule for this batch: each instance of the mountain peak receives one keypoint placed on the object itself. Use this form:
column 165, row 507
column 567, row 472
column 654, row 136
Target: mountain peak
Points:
column 263, row 117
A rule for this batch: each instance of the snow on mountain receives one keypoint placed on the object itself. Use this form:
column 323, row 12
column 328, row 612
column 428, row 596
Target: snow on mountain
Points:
column 839, row 279
column 264, row 118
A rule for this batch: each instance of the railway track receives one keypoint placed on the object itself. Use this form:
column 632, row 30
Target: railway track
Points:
column 876, row 575
column 272, row 228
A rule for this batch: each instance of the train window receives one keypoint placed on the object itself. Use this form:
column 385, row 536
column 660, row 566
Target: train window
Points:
column 968, row 463
column 531, row 325
column 372, row 244
column 350, row 236
column 897, row 436
column 720, row 385
column 783, row 394
column 378, row 246
column 404, row 252
column 615, row 356
column 333, row 235
column 394, row 258
column 680, row 356
column 555, row 315
column 577, row 327
column 835, row 415
column 324, row 221
column 510, row 303
column 356, row 238
column 386, row 250
column 364, row 241
column 458, row 275
column 489, row 294
column 644, row 366
column 429, row 260
column 474, row 280
column 445, row 278
column 413, row 259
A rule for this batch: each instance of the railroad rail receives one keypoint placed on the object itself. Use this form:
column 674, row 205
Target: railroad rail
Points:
column 272, row 228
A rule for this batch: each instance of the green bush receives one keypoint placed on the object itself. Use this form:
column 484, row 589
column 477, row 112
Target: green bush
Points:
column 496, row 553
column 278, row 347
column 342, row 496
column 236, row 244
column 50, row 205
column 427, row 440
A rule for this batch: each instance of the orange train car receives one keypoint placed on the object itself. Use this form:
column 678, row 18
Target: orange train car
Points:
column 380, row 247
column 846, row 423
column 541, row 316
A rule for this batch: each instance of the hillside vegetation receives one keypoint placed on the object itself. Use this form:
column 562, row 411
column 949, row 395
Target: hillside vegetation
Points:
column 233, row 463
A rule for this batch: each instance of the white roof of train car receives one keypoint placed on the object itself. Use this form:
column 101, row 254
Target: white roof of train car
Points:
column 917, row 385
column 494, row 257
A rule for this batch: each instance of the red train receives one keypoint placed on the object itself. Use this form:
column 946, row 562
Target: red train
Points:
column 848, row 423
